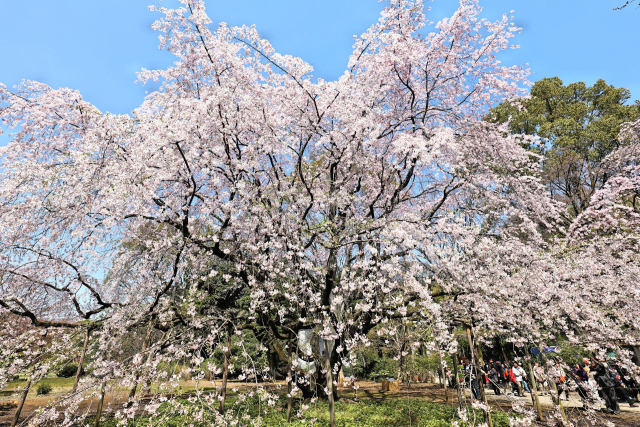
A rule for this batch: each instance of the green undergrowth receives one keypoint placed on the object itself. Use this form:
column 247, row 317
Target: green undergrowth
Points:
column 370, row 412
column 58, row 385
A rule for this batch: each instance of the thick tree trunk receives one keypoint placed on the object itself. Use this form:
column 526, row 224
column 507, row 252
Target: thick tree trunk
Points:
column 291, row 377
column 23, row 398
column 504, row 354
column 477, row 362
column 81, row 361
column 318, row 387
column 225, row 372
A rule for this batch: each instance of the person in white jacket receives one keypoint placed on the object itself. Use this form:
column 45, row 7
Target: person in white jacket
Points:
column 520, row 375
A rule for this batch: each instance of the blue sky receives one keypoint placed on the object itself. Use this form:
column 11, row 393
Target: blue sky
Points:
column 97, row 46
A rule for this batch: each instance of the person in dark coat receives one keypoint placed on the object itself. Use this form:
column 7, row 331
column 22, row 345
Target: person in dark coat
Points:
column 607, row 387
column 629, row 381
column 622, row 392
column 494, row 379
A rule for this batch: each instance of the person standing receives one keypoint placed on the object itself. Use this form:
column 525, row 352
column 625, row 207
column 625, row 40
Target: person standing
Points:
column 558, row 376
column 607, row 387
column 514, row 382
column 541, row 378
column 504, row 376
column 519, row 374
column 494, row 379
column 581, row 378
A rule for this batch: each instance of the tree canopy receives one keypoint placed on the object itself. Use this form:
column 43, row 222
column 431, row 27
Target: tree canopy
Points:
column 578, row 126
column 248, row 205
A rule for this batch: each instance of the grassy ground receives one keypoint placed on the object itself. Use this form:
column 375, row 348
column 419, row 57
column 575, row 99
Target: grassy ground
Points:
column 395, row 412
column 371, row 408
column 419, row 405
column 364, row 413
column 58, row 385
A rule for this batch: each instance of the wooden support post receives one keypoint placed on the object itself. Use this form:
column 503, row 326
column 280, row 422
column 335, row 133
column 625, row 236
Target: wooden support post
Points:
column 100, row 404
column 555, row 398
column 457, row 380
column 81, row 361
column 329, row 369
column 23, row 398
column 225, row 372
column 534, row 392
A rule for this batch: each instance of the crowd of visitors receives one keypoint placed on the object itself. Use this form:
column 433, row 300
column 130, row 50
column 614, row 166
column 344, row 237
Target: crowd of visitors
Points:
column 594, row 380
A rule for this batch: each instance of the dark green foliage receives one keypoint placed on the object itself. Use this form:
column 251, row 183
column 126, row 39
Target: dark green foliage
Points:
column 569, row 353
column 374, row 362
column 383, row 368
column 43, row 389
column 68, row 371
column 579, row 125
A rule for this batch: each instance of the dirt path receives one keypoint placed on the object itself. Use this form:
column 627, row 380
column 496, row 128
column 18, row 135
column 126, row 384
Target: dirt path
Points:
column 113, row 402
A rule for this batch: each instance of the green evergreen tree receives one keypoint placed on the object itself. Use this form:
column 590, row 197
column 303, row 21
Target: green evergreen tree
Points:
column 578, row 126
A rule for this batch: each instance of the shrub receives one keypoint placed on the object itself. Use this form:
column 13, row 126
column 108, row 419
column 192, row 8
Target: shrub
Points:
column 68, row 371
column 384, row 367
column 43, row 389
